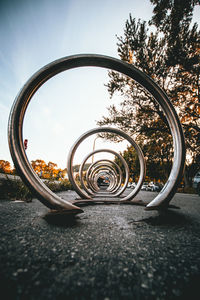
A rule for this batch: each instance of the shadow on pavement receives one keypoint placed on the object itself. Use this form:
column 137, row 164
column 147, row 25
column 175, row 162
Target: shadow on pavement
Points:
column 61, row 218
column 166, row 218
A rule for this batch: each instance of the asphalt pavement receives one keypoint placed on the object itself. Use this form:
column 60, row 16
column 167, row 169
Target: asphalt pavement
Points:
column 110, row 251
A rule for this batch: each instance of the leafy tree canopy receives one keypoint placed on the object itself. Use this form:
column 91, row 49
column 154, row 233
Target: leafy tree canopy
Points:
column 5, row 166
column 170, row 54
column 48, row 171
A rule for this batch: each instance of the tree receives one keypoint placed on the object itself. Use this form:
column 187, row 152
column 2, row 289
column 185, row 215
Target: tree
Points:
column 47, row 171
column 138, row 113
column 177, row 72
column 50, row 170
column 173, row 18
column 132, row 160
column 169, row 15
column 158, row 169
column 5, row 167
column 39, row 166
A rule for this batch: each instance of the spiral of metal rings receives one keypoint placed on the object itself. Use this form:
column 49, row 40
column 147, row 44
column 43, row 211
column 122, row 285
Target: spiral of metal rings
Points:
column 102, row 168
column 114, row 189
column 43, row 193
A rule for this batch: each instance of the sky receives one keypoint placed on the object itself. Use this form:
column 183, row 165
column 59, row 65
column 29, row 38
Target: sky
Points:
column 34, row 33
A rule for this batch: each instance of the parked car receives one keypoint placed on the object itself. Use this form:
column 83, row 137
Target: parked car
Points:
column 133, row 185
column 145, row 186
column 196, row 182
column 156, row 187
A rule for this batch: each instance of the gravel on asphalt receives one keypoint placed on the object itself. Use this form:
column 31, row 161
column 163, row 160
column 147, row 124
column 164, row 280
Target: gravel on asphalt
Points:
column 108, row 252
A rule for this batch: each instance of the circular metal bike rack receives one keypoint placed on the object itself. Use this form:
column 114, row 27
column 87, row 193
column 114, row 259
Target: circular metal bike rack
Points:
column 108, row 151
column 22, row 100
column 73, row 149
column 96, row 169
column 105, row 163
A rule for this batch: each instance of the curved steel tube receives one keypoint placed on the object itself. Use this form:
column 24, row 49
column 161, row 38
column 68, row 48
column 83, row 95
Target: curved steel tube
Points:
column 115, row 180
column 100, row 169
column 107, row 174
column 98, row 172
column 96, row 163
column 110, row 130
column 22, row 100
column 70, row 171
